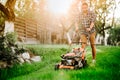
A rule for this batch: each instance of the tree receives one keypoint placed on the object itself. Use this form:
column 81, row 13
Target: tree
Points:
column 9, row 50
column 103, row 9
column 8, row 9
column 7, row 13
column 114, row 38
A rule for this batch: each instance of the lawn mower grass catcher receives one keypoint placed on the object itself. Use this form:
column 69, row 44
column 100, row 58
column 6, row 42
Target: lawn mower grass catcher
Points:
column 72, row 60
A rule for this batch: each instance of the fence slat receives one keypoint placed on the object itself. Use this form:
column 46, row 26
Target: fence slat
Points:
column 30, row 29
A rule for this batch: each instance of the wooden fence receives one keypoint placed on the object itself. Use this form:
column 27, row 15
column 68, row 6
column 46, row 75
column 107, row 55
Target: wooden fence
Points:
column 30, row 30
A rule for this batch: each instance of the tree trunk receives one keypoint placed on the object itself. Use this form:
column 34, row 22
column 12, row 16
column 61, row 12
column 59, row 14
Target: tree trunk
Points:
column 9, row 27
column 8, row 11
column 10, row 7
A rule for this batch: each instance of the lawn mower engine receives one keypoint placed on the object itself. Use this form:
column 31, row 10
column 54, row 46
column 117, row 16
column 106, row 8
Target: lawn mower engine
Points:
column 72, row 60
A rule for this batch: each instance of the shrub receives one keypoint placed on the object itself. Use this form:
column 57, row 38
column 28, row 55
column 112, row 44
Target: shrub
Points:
column 114, row 37
column 9, row 49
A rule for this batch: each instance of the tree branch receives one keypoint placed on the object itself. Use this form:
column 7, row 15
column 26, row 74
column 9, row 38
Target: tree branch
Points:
column 4, row 10
column 105, row 29
column 8, row 9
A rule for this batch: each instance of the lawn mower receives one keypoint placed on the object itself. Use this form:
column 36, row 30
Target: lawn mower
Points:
column 73, row 59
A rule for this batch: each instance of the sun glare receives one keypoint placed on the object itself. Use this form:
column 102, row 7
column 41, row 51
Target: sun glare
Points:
column 59, row 6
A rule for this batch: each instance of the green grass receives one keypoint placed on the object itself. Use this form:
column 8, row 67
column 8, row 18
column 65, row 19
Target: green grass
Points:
column 107, row 65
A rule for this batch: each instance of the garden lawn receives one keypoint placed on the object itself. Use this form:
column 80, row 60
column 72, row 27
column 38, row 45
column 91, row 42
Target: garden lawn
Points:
column 107, row 65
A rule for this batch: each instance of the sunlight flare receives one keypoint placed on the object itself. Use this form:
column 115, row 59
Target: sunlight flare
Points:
column 59, row 6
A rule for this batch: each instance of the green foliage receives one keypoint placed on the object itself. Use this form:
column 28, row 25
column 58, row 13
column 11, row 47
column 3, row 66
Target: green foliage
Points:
column 2, row 23
column 103, row 8
column 6, row 53
column 24, row 8
column 114, row 37
column 107, row 58
column 2, row 18
column 9, row 49
column 11, row 37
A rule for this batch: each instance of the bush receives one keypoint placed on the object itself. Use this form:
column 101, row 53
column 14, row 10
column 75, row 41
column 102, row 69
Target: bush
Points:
column 114, row 37
column 11, row 37
column 9, row 49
